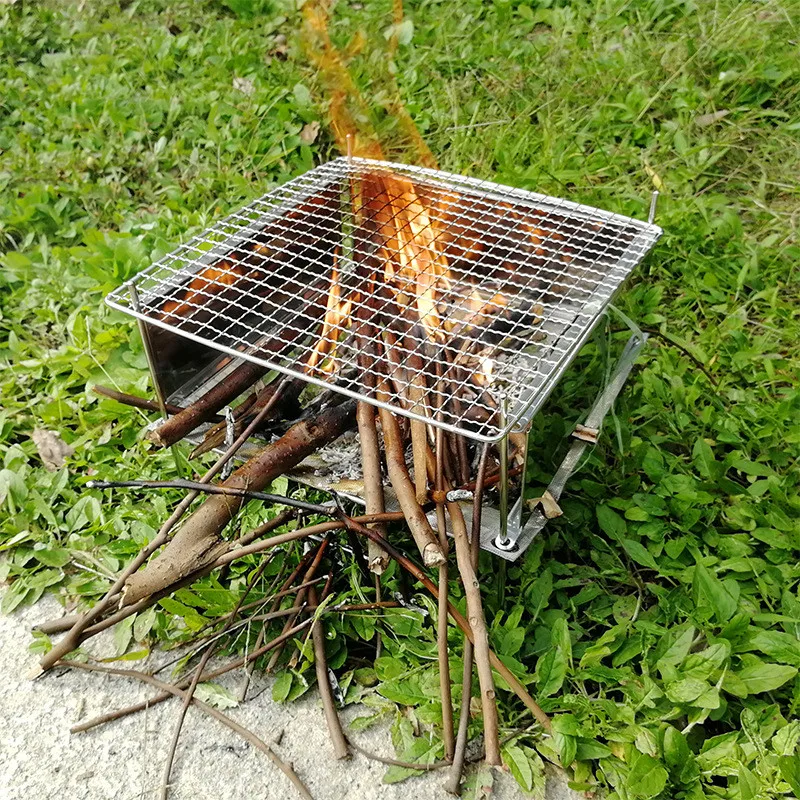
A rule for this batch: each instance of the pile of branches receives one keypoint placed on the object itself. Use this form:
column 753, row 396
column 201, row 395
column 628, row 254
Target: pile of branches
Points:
column 423, row 464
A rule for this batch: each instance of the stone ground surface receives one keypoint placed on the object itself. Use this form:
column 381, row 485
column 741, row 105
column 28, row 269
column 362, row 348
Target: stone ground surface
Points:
column 124, row 760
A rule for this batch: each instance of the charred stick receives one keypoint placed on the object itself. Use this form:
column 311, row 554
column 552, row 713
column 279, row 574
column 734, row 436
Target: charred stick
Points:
column 170, row 690
column 323, row 682
column 210, row 488
column 206, row 407
column 198, row 542
column 421, row 530
column 244, row 414
column 453, row 784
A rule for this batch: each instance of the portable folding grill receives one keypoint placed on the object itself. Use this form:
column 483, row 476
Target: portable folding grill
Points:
column 505, row 286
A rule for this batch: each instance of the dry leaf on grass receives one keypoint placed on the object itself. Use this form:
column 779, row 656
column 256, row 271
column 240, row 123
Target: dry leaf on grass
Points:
column 53, row 450
column 244, row 85
column 704, row 120
column 309, row 133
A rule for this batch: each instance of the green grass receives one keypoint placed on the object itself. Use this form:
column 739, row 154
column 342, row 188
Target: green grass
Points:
column 659, row 619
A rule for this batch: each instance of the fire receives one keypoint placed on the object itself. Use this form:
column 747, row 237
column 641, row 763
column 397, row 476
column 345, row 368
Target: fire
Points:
column 337, row 312
column 487, row 370
column 415, row 270
column 431, row 303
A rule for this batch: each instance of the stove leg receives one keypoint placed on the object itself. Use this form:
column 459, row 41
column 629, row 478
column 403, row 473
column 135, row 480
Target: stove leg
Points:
column 180, row 463
column 148, row 348
column 503, row 538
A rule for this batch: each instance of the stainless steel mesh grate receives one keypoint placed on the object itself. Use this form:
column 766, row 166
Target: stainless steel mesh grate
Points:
column 463, row 301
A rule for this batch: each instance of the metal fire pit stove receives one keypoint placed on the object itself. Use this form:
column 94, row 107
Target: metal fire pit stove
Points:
column 520, row 280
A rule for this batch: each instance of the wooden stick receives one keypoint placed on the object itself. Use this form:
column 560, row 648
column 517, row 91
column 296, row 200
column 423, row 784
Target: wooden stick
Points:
column 174, row 691
column 421, row 530
column 442, row 627
column 312, row 530
column 477, row 623
column 146, row 602
column 393, row 762
column 377, row 558
column 206, row 407
column 198, row 542
column 419, row 434
column 75, row 635
column 340, row 748
column 134, row 400
column 453, row 784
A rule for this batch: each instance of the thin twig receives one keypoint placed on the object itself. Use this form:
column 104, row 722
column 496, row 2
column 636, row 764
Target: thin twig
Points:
column 453, row 784
column 300, row 597
column 323, row 683
column 393, row 762
column 210, row 488
column 187, row 701
column 160, row 698
column 169, row 689
column 445, row 691
column 75, row 636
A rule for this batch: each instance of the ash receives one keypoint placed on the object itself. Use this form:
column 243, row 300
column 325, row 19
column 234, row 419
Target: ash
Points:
column 340, row 460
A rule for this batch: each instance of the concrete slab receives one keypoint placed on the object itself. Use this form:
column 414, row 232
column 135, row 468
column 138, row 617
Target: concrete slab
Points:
column 124, row 760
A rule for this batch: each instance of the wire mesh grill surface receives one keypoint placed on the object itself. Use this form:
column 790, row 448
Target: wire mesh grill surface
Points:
column 441, row 297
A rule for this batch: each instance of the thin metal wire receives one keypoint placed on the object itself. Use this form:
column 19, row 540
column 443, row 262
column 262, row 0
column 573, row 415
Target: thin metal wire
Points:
column 519, row 280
